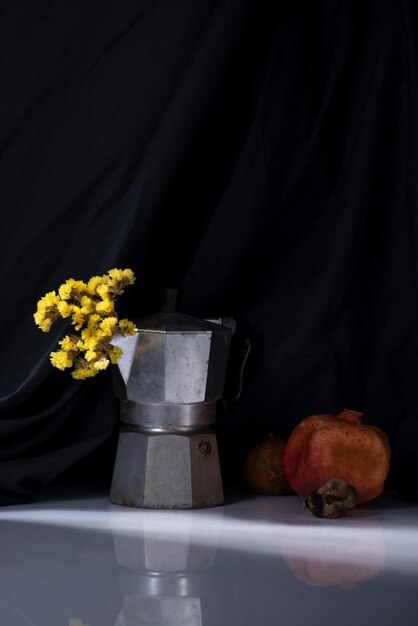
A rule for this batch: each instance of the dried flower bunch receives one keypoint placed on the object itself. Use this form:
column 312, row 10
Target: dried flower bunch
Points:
column 91, row 309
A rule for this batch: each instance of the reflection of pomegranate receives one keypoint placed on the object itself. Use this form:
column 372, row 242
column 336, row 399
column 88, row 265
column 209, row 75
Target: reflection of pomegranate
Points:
column 337, row 446
column 336, row 561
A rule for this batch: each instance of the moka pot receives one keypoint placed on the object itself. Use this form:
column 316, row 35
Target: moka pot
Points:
column 169, row 380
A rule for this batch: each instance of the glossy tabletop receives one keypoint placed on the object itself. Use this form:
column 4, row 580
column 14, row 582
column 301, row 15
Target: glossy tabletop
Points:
column 78, row 560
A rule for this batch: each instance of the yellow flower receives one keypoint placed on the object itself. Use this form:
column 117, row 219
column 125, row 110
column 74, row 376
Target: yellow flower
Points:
column 92, row 311
column 106, row 306
column 126, row 327
column 47, row 311
column 115, row 274
column 61, row 359
column 71, row 288
column 101, row 363
column 103, row 291
column 114, row 353
column 90, row 355
column 87, row 305
column 82, row 369
column 78, row 318
column 108, row 326
column 94, row 282
column 50, row 299
column 90, row 342
column 69, row 343
column 65, row 309
column 43, row 322
column 126, row 276
column 83, row 372
column 120, row 279
column 94, row 321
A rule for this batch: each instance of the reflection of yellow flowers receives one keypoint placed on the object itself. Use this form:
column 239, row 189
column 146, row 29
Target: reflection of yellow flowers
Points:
column 74, row 621
column 91, row 309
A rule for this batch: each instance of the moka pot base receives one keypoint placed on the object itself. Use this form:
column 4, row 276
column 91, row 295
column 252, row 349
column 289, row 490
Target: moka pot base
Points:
column 167, row 457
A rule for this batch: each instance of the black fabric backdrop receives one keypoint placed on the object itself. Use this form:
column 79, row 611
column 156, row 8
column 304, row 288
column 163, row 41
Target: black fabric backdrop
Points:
column 260, row 156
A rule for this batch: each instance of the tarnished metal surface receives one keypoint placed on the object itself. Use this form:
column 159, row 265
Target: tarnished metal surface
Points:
column 173, row 367
column 166, row 471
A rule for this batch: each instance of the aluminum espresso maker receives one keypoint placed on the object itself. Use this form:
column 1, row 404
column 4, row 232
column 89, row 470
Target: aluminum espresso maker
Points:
column 169, row 379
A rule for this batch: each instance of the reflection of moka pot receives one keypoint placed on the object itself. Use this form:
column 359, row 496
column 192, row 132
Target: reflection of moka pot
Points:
column 170, row 580
column 169, row 380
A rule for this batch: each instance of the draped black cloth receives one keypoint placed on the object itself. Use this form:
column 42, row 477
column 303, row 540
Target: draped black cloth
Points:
column 260, row 156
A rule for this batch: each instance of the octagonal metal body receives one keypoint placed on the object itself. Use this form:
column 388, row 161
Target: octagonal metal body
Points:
column 173, row 359
column 166, row 470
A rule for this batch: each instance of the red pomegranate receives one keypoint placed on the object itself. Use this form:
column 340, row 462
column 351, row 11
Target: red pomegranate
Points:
column 340, row 446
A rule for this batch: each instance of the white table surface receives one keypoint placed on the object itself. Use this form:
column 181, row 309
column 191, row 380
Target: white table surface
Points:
column 73, row 560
